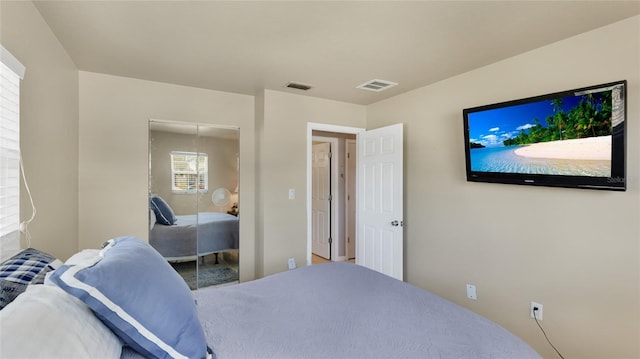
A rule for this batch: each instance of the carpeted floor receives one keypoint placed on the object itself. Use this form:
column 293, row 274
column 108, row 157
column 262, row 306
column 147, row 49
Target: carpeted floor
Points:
column 209, row 273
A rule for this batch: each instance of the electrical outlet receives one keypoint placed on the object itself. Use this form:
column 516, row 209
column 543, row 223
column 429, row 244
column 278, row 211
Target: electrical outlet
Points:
column 471, row 292
column 292, row 263
column 538, row 312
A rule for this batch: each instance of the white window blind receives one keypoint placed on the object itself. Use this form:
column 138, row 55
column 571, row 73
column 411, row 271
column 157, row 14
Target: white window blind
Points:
column 11, row 71
column 189, row 172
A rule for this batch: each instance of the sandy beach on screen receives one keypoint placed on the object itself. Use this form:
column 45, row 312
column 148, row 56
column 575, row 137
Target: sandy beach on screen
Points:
column 591, row 148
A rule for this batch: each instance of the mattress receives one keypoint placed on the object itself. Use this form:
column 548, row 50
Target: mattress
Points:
column 343, row 310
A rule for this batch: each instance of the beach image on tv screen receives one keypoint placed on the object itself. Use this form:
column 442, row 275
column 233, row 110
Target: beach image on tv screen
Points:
column 562, row 136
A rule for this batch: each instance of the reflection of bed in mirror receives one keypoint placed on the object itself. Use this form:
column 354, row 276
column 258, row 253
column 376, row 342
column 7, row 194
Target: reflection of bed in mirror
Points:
column 208, row 232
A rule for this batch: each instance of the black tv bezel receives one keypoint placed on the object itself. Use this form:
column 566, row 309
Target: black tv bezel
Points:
column 617, row 180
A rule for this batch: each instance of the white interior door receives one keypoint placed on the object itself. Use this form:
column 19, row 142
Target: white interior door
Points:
column 379, row 237
column 320, row 195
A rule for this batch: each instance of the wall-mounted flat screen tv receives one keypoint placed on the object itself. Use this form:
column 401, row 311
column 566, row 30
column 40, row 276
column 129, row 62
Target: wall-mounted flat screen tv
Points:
column 573, row 138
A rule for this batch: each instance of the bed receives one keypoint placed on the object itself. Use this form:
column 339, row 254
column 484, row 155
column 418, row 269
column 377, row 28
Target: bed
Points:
column 336, row 310
column 343, row 310
column 209, row 232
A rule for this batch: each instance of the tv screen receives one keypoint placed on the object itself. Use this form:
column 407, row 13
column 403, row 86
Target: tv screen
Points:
column 573, row 138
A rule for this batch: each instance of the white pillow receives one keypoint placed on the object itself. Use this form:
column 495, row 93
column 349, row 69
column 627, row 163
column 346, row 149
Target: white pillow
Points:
column 47, row 322
column 83, row 256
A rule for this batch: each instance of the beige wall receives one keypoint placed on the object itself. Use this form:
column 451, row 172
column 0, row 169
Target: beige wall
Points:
column 283, row 165
column 113, row 132
column 49, row 128
column 575, row 251
column 222, row 157
column 114, row 115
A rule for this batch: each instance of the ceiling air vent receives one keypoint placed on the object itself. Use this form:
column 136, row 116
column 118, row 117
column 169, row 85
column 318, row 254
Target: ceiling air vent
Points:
column 298, row 86
column 376, row 85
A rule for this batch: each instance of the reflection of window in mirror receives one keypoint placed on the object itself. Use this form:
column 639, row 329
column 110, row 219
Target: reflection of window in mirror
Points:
column 189, row 170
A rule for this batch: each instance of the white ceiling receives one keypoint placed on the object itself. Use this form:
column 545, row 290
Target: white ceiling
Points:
column 244, row 47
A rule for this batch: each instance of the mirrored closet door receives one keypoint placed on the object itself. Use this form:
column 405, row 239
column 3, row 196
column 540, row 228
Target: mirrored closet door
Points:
column 193, row 200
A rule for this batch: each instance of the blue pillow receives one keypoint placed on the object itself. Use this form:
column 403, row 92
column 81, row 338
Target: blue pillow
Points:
column 139, row 296
column 164, row 213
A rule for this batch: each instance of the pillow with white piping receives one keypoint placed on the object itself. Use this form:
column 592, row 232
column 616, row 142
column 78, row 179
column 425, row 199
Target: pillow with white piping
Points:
column 164, row 213
column 137, row 294
column 47, row 322
column 82, row 256
column 77, row 258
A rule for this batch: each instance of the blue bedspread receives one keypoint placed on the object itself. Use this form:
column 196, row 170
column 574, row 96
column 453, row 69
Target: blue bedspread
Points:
column 343, row 310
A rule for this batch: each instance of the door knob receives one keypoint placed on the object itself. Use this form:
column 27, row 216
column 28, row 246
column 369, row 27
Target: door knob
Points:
column 395, row 223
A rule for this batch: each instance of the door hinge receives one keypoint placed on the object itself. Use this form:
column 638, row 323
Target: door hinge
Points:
column 330, row 154
column 330, row 240
column 329, row 198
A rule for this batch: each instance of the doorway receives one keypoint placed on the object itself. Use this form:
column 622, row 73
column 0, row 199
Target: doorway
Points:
column 333, row 196
column 379, row 196
column 340, row 210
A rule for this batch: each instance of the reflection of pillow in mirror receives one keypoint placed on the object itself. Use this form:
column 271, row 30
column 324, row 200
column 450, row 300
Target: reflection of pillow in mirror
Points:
column 140, row 297
column 164, row 213
column 152, row 218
